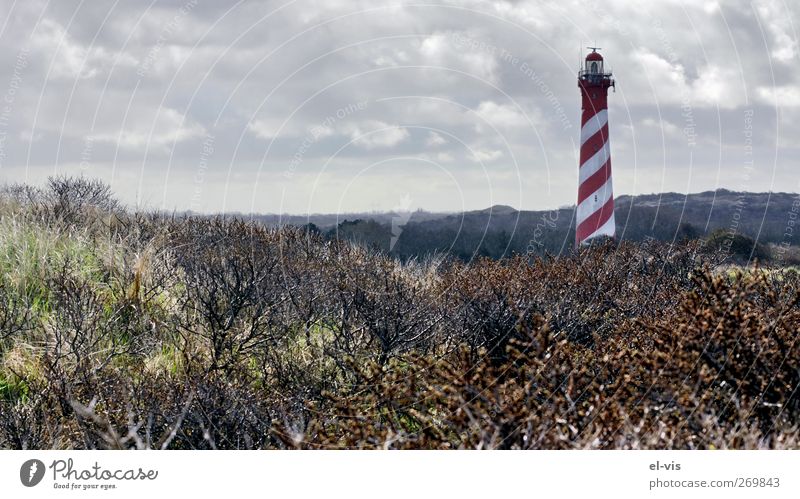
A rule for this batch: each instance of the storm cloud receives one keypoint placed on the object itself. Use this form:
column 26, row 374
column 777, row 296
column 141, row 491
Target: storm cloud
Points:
column 337, row 106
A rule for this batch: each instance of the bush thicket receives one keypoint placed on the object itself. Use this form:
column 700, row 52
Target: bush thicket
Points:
column 139, row 330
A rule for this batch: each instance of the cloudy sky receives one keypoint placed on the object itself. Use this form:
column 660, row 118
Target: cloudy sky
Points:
column 343, row 105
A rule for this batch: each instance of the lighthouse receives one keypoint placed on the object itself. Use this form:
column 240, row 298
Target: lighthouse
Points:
column 595, row 211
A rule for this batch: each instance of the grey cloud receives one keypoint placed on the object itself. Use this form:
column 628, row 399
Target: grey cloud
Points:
column 132, row 92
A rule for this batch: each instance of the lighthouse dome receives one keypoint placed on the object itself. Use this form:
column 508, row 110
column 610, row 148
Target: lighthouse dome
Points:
column 594, row 56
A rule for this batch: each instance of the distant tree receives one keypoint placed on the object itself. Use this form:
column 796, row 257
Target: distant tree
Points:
column 738, row 247
column 311, row 228
column 687, row 232
column 368, row 233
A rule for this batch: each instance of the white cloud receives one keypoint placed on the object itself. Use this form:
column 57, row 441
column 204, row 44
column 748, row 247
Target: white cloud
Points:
column 442, row 49
column 719, row 85
column 264, row 128
column 486, row 155
column 779, row 23
column 374, row 134
column 664, row 73
column 501, row 116
column 715, row 85
column 665, row 126
column 785, row 96
column 444, row 157
column 69, row 59
column 169, row 127
column 434, row 139
column 711, row 7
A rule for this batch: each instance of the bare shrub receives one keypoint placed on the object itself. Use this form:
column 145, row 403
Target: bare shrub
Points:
column 67, row 199
column 229, row 269
column 14, row 311
column 144, row 330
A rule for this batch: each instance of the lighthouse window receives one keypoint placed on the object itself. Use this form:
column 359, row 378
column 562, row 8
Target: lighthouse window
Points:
column 594, row 67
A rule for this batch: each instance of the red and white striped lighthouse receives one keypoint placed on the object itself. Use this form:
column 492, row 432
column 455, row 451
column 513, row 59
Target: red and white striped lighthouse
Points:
column 595, row 211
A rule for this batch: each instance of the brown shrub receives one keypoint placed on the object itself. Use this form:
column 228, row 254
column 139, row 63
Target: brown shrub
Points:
column 220, row 333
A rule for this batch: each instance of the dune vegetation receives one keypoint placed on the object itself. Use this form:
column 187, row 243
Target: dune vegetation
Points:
column 121, row 329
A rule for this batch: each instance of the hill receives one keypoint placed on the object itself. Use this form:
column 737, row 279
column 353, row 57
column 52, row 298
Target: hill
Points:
column 767, row 218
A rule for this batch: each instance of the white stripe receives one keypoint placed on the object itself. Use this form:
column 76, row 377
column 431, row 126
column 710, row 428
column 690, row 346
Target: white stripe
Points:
column 594, row 202
column 593, row 164
column 607, row 229
column 594, row 125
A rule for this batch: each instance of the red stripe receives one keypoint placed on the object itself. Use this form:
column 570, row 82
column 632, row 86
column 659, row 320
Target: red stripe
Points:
column 594, row 143
column 589, row 114
column 594, row 182
column 594, row 221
